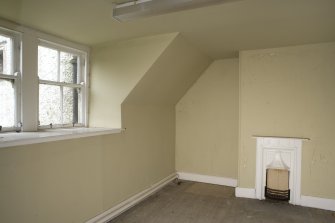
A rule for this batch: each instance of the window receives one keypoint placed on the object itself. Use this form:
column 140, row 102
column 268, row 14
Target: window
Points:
column 9, row 80
column 61, row 73
column 42, row 83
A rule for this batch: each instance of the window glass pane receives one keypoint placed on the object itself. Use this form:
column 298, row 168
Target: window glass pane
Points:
column 80, row 106
column 49, row 105
column 68, row 68
column 70, row 105
column 47, row 64
column 5, row 55
column 7, row 103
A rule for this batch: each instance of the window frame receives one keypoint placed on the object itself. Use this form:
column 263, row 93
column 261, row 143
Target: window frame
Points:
column 26, row 42
column 14, row 76
column 83, row 73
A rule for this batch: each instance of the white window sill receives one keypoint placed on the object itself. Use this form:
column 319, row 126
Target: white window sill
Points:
column 49, row 135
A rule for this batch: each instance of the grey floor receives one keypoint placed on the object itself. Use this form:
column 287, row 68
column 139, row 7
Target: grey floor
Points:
column 192, row 202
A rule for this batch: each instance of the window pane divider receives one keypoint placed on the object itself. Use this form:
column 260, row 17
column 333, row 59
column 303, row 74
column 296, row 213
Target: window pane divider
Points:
column 67, row 125
column 63, row 84
column 10, row 77
column 10, row 129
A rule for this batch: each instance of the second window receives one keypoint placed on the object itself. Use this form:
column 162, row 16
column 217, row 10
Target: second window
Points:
column 61, row 86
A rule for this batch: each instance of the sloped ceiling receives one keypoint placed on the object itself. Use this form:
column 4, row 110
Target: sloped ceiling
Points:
column 219, row 31
column 170, row 76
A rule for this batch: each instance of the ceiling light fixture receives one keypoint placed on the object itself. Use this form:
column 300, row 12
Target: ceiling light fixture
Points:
column 129, row 10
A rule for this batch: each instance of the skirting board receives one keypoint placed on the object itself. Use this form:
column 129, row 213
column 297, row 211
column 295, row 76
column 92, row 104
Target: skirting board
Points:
column 130, row 202
column 207, row 179
column 317, row 202
column 306, row 201
column 245, row 192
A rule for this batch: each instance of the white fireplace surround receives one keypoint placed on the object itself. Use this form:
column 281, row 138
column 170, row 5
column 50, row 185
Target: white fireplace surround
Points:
column 288, row 151
column 270, row 143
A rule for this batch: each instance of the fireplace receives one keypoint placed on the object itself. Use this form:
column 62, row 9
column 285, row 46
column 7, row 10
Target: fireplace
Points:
column 278, row 168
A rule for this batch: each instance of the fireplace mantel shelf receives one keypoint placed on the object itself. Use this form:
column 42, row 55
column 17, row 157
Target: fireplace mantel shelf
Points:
column 281, row 137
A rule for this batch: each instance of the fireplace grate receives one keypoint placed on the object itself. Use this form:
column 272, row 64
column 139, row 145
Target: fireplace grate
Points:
column 282, row 195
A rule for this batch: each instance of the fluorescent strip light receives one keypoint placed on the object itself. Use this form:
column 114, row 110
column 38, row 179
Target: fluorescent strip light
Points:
column 122, row 5
column 144, row 8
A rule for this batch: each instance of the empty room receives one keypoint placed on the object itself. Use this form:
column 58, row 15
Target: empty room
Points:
column 167, row 111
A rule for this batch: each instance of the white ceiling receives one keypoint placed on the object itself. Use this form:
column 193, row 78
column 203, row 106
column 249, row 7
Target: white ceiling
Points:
column 219, row 31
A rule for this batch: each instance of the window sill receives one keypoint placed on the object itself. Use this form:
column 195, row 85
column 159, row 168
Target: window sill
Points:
column 50, row 135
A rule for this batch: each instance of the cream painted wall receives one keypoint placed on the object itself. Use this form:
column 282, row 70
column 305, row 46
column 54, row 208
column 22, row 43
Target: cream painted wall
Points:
column 75, row 180
column 120, row 67
column 207, row 123
column 140, row 157
column 290, row 92
column 51, row 182
column 72, row 181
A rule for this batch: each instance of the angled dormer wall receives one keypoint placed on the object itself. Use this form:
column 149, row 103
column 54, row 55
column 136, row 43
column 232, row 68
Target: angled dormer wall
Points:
column 146, row 80
column 116, row 69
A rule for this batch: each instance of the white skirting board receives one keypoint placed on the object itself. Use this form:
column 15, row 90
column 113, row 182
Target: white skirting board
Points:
column 208, row 179
column 317, row 202
column 245, row 192
column 306, row 201
column 132, row 201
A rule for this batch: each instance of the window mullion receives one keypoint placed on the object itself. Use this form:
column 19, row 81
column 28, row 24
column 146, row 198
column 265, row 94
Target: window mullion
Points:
column 29, row 81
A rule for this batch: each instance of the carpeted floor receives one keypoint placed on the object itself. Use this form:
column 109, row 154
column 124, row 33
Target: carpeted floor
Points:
column 192, row 202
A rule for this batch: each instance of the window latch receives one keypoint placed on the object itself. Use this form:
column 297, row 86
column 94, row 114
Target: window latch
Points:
column 19, row 127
